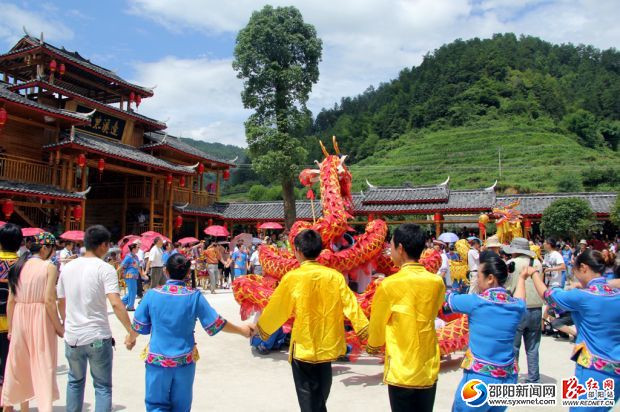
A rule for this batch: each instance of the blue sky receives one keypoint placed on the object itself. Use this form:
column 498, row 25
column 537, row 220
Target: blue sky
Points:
column 185, row 46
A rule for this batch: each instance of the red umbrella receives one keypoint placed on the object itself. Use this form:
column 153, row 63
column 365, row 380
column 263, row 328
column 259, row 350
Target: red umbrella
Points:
column 152, row 234
column 31, row 231
column 74, row 235
column 217, row 231
column 271, row 225
column 188, row 240
column 2, row 223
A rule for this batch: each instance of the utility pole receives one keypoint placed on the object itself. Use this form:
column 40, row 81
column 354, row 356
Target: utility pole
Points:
column 499, row 158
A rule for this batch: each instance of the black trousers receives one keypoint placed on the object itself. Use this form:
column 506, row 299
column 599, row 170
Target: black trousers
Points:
column 410, row 400
column 313, row 381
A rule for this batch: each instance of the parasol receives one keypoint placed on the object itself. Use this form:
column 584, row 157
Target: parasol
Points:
column 188, row 240
column 73, row 235
column 31, row 231
column 448, row 237
column 217, row 231
column 245, row 238
column 271, row 225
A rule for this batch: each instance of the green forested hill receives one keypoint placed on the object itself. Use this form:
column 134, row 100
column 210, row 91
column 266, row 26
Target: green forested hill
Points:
column 559, row 103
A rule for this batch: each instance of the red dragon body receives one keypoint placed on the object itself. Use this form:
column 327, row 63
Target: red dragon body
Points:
column 368, row 251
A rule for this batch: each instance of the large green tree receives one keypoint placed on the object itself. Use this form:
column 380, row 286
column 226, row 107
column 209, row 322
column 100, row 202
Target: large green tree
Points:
column 568, row 218
column 277, row 55
column 615, row 212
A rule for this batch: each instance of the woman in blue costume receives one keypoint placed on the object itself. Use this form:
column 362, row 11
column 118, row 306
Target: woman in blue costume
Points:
column 494, row 316
column 169, row 314
column 595, row 309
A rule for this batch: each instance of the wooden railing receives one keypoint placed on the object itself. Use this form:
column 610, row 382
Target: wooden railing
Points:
column 20, row 169
column 182, row 195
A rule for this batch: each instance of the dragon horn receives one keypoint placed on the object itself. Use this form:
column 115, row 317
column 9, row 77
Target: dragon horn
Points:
column 335, row 143
column 323, row 148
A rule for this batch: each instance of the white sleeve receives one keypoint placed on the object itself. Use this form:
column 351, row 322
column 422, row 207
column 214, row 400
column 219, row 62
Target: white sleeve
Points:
column 60, row 288
column 110, row 280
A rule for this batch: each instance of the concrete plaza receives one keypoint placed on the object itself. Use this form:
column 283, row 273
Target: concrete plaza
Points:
column 232, row 377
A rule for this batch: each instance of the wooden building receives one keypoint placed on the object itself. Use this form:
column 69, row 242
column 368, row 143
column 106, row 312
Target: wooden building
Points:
column 74, row 151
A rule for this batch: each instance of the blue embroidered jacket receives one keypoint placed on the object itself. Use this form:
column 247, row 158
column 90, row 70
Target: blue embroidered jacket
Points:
column 596, row 313
column 494, row 316
column 169, row 314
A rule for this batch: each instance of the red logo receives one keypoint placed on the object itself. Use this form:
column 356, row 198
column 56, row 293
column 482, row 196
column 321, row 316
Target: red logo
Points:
column 572, row 389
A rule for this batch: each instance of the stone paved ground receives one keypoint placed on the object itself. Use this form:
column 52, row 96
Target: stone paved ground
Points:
column 230, row 377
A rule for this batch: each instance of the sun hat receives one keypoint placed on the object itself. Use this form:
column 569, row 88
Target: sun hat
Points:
column 493, row 241
column 439, row 242
column 583, row 242
column 519, row 246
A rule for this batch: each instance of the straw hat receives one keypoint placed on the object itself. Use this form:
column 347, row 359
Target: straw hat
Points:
column 493, row 241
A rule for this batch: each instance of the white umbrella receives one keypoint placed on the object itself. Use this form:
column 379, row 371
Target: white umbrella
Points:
column 448, row 237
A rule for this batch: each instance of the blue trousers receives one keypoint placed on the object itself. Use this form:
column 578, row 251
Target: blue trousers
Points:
column 99, row 356
column 582, row 374
column 169, row 389
column 529, row 330
column 459, row 404
column 132, row 290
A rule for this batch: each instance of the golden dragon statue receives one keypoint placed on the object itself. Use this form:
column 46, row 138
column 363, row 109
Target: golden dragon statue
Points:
column 350, row 255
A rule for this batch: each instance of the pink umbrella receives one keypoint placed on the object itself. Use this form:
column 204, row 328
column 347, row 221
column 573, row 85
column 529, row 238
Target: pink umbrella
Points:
column 2, row 223
column 244, row 238
column 188, row 240
column 128, row 239
column 152, row 234
column 217, row 231
column 74, row 235
column 31, row 231
column 271, row 225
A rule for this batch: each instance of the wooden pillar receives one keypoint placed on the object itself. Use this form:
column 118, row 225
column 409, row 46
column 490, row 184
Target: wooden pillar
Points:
column 196, row 228
column 63, row 175
column 67, row 217
column 152, row 205
column 164, row 208
column 124, row 212
column 438, row 218
column 70, row 176
column 170, row 212
column 191, row 188
column 83, row 219
column 217, row 185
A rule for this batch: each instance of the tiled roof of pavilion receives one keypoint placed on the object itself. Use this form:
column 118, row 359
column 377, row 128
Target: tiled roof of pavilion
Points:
column 156, row 124
column 38, row 190
column 75, row 58
column 120, row 151
column 407, row 194
column 251, row 210
column 8, row 95
column 536, row 203
column 159, row 139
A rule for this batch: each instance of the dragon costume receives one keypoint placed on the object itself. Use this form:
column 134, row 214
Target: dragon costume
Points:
column 350, row 255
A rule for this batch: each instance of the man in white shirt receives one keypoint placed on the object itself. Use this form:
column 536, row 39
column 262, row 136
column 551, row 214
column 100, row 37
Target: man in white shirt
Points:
column 66, row 254
column 257, row 269
column 444, row 269
column 83, row 287
column 25, row 247
column 553, row 264
column 473, row 261
column 155, row 265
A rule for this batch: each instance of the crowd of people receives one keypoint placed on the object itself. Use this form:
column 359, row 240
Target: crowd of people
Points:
column 508, row 287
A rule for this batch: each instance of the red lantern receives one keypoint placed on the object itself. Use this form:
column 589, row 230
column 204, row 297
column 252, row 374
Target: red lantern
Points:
column 53, row 66
column 138, row 100
column 371, row 217
column 310, row 195
column 483, row 230
column 82, row 160
column 201, row 168
column 61, row 69
column 438, row 217
column 77, row 212
column 226, row 174
column 3, row 117
column 7, row 208
column 178, row 222
column 132, row 97
column 182, row 181
column 528, row 224
column 210, row 222
column 101, row 165
column 169, row 179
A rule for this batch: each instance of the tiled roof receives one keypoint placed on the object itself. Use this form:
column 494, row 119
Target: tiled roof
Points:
column 165, row 140
column 17, row 98
column 535, row 204
column 119, row 150
column 37, row 190
column 458, row 201
column 421, row 194
column 77, row 59
column 94, row 103
column 251, row 210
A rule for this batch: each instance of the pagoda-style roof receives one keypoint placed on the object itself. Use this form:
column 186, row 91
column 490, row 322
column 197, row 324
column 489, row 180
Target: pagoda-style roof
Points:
column 38, row 191
column 175, row 144
column 16, row 98
column 56, row 88
column 407, row 194
column 533, row 205
column 255, row 211
column 106, row 79
column 102, row 146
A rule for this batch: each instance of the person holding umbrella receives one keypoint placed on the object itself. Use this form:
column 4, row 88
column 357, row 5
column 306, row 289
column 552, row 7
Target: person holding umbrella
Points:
column 131, row 270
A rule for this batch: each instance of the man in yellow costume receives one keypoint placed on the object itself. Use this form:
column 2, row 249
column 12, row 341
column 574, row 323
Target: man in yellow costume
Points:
column 403, row 315
column 319, row 299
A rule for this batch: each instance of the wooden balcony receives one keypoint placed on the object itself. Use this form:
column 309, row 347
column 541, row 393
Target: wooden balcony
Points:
column 25, row 170
column 184, row 195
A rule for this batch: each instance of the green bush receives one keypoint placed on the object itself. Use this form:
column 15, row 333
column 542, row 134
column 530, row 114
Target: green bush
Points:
column 569, row 218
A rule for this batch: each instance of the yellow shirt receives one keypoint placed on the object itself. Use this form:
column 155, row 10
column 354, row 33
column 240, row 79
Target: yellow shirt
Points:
column 403, row 315
column 319, row 299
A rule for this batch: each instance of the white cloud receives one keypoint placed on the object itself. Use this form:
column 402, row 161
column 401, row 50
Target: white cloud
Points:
column 200, row 97
column 14, row 18
column 369, row 41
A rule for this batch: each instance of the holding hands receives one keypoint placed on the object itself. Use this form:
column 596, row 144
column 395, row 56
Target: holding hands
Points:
column 528, row 272
column 130, row 341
